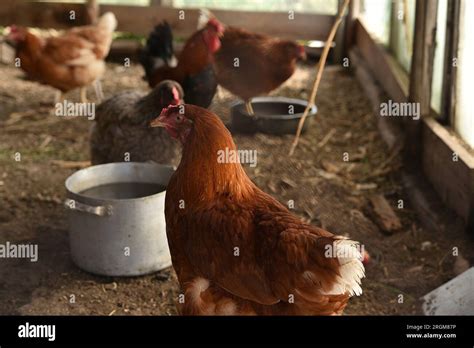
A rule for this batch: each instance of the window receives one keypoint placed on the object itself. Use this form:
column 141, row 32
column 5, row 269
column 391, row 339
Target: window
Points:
column 376, row 15
column 464, row 118
column 306, row 6
column 402, row 33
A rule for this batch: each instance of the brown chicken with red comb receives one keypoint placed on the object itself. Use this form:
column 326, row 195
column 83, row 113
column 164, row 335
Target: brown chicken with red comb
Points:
column 251, row 64
column 236, row 249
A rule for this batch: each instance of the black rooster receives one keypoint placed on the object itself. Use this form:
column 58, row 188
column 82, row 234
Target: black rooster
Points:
column 158, row 50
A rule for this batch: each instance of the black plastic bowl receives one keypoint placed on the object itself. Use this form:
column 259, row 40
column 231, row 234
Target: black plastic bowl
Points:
column 272, row 116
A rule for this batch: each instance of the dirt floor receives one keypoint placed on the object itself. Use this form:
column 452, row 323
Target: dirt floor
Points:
column 327, row 191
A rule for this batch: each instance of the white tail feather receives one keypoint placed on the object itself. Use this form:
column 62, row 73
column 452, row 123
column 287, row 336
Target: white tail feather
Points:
column 108, row 21
column 204, row 16
column 351, row 270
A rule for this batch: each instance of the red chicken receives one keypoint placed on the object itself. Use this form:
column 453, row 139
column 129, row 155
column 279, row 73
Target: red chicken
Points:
column 72, row 60
column 194, row 70
column 237, row 250
column 250, row 64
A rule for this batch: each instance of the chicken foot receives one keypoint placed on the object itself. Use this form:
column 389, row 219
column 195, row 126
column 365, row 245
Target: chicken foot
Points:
column 249, row 108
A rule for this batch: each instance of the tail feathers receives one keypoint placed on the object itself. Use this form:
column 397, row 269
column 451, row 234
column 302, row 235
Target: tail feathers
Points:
column 351, row 270
column 108, row 21
column 204, row 16
column 160, row 39
column 193, row 301
column 158, row 50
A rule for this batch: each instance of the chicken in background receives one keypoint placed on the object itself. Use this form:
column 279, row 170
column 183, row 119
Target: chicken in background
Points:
column 194, row 70
column 122, row 127
column 264, row 62
column 237, row 250
column 72, row 60
column 158, row 50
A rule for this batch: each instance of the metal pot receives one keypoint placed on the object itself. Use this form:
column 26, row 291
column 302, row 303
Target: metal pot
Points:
column 271, row 116
column 118, row 237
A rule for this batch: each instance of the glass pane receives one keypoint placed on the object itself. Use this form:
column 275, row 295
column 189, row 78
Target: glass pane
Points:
column 403, row 27
column 464, row 120
column 312, row 6
column 376, row 16
column 438, row 68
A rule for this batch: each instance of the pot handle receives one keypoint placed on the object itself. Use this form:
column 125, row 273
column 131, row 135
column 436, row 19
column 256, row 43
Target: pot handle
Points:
column 95, row 210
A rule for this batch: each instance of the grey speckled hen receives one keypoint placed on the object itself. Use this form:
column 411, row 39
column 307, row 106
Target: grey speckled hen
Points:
column 122, row 129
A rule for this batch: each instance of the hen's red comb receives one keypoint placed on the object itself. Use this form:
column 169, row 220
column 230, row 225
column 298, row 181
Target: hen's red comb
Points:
column 216, row 24
column 175, row 93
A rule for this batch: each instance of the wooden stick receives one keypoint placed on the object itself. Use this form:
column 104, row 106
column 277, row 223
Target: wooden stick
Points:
column 320, row 69
column 71, row 164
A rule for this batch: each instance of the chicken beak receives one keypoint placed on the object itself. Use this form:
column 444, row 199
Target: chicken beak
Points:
column 158, row 122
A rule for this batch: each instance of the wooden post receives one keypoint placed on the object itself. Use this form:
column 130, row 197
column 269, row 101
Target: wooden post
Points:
column 92, row 10
column 448, row 94
column 421, row 73
column 339, row 52
column 354, row 12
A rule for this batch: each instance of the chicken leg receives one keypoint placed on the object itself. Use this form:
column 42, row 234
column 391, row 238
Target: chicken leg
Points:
column 83, row 94
column 98, row 90
column 249, row 108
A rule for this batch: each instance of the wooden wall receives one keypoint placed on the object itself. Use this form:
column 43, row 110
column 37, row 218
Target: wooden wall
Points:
column 139, row 19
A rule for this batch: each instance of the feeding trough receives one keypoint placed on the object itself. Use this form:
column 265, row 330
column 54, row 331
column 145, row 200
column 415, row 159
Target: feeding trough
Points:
column 273, row 115
column 314, row 48
column 116, row 218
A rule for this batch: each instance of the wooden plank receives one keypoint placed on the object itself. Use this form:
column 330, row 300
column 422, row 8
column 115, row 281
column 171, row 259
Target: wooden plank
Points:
column 389, row 129
column 453, row 180
column 140, row 20
column 352, row 16
column 377, row 60
column 339, row 52
column 385, row 217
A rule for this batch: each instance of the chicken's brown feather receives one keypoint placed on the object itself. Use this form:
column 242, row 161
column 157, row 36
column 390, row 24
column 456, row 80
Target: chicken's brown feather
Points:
column 248, row 246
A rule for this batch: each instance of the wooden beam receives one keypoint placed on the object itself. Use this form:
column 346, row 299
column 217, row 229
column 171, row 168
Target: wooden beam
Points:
column 339, row 52
column 421, row 74
column 450, row 168
column 352, row 16
column 92, row 10
column 390, row 129
column 140, row 20
column 379, row 62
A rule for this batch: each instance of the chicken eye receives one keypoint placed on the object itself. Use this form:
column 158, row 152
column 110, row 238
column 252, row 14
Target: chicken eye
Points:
column 179, row 118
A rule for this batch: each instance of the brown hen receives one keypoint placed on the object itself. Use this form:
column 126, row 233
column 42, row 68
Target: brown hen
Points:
column 236, row 249
column 72, row 60
column 250, row 64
